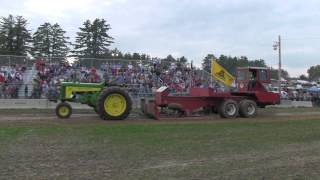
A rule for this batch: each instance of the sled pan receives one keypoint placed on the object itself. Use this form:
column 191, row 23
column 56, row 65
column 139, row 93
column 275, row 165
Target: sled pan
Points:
column 148, row 108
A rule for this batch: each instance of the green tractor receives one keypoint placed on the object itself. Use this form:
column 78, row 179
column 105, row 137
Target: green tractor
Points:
column 108, row 101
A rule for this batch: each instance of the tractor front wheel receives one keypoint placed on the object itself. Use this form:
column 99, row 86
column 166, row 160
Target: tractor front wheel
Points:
column 63, row 110
column 114, row 104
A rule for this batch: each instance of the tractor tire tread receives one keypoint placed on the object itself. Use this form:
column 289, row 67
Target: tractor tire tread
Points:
column 100, row 104
column 63, row 104
column 221, row 109
column 243, row 106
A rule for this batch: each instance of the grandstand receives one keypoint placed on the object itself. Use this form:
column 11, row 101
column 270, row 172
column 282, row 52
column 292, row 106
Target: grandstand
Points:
column 42, row 76
column 141, row 77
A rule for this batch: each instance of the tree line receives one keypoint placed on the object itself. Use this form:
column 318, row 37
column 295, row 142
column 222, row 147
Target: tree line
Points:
column 313, row 74
column 50, row 40
column 232, row 63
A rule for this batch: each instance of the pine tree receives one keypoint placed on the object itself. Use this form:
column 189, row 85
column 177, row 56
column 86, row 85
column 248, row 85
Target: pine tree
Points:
column 166, row 63
column 93, row 39
column 182, row 61
column 42, row 41
column 50, row 41
column 127, row 56
column 22, row 37
column 115, row 54
column 206, row 62
column 144, row 57
column 59, row 41
column 136, row 56
column 7, row 35
column 83, row 45
column 15, row 39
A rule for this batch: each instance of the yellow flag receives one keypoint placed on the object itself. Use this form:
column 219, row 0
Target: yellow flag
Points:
column 221, row 74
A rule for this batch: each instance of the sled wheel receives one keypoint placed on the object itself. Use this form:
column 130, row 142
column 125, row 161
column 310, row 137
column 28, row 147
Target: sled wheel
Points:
column 228, row 109
column 248, row 108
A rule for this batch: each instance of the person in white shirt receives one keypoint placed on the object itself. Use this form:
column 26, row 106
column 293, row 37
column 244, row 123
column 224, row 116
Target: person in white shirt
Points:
column 130, row 66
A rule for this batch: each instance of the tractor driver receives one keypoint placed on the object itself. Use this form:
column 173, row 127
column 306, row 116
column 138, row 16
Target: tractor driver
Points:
column 253, row 80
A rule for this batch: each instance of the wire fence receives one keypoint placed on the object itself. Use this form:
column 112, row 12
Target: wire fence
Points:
column 10, row 60
column 35, row 94
column 32, row 91
column 123, row 64
column 136, row 91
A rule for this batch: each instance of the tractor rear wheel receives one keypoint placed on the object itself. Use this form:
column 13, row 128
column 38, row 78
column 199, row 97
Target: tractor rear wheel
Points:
column 228, row 109
column 248, row 108
column 114, row 104
column 63, row 110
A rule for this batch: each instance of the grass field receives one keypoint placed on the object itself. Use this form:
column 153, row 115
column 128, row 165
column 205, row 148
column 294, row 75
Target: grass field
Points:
column 236, row 149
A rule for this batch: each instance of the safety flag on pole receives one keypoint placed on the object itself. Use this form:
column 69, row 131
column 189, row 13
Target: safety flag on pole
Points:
column 221, row 74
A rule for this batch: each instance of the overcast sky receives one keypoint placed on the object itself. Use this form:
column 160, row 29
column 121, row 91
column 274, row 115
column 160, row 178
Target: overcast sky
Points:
column 192, row 28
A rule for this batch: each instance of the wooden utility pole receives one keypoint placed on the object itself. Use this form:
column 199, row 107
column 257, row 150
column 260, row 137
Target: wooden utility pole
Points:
column 279, row 71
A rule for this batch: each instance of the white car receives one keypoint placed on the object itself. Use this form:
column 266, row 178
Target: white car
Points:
column 284, row 94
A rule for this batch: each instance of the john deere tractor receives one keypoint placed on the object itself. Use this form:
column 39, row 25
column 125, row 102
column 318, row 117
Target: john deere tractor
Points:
column 110, row 102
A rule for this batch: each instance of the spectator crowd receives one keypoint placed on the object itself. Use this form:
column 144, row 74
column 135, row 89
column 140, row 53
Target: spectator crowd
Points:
column 11, row 80
column 141, row 79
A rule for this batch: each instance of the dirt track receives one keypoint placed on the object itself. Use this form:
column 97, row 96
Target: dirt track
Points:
column 135, row 117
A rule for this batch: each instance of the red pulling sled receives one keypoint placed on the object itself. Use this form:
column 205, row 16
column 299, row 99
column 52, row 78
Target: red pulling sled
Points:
column 252, row 93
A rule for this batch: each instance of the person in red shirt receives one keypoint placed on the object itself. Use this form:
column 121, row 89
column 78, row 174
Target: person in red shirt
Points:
column 2, row 79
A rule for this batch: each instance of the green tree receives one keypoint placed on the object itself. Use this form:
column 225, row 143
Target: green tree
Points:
column 314, row 72
column 15, row 38
column 42, row 41
column 136, row 56
column 181, row 62
column 274, row 74
column 127, row 56
column 284, row 74
column 93, row 39
column 7, row 34
column 22, row 37
column 303, row 77
column 242, row 61
column 116, row 54
column 257, row 63
column 166, row 62
column 50, row 41
column 230, row 63
column 59, row 41
column 144, row 57
column 206, row 62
